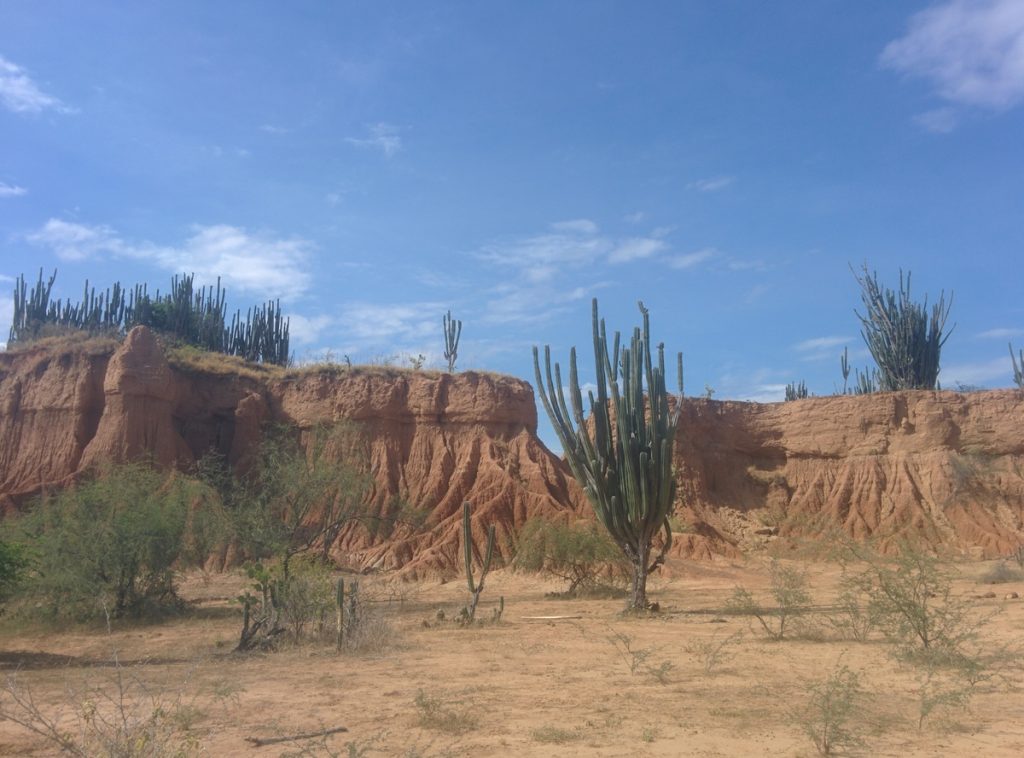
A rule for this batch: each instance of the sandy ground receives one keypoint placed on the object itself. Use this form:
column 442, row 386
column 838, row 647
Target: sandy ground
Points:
column 522, row 687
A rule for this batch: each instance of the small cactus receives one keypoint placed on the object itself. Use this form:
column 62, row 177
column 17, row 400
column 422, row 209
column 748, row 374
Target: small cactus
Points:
column 476, row 588
column 452, row 332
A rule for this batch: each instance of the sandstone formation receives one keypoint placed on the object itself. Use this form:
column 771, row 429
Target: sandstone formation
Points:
column 943, row 467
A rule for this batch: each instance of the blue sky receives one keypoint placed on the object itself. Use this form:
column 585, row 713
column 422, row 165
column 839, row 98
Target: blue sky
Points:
column 374, row 164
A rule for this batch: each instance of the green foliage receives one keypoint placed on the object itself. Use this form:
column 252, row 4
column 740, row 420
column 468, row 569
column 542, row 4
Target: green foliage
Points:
column 625, row 468
column 110, row 544
column 901, row 336
column 796, row 391
column 194, row 317
column 297, row 497
column 912, row 598
column 452, row 333
column 577, row 553
column 788, row 587
column 12, row 569
column 825, row 718
column 1018, row 368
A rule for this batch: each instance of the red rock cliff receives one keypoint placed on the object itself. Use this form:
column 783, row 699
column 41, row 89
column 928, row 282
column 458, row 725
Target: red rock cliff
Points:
column 944, row 467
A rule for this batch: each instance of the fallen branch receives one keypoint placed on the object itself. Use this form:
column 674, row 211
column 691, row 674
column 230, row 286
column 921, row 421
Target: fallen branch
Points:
column 548, row 618
column 258, row 742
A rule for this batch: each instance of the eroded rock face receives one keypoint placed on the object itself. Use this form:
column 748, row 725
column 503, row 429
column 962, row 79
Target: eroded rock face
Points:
column 943, row 467
column 936, row 466
column 430, row 440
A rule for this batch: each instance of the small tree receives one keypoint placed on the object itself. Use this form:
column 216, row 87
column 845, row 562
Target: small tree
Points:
column 903, row 339
column 623, row 459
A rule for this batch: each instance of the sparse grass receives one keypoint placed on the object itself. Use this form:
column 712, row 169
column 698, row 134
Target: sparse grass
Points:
column 194, row 360
column 554, row 734
column 637, row 658
column 434, row 712
column 792, row 599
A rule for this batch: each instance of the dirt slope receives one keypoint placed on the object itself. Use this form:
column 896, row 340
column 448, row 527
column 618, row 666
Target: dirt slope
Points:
column 939, row 466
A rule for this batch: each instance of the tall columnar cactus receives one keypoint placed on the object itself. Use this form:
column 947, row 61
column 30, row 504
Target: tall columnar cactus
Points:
column 475, row 588
column 623, row 456
column 452, row 332
column 903, row 339
column 1018, row 368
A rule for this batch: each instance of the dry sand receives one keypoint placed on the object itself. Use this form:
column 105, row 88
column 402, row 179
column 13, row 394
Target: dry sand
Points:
column 522, row 687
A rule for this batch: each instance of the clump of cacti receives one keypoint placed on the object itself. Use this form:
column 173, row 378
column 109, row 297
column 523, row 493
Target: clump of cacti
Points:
column 796, row 391
column 452, row 333
column 903, row 338
column 1018, row 368
column 195, row 317
column 622, row 455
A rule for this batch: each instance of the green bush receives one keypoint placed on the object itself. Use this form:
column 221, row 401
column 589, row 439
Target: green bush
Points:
column 788, row 587
column 12, row 569
column 108, row 545
column 581, row 554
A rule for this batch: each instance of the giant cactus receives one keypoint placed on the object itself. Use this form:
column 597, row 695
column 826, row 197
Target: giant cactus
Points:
column 623, row 456
column 475, row 587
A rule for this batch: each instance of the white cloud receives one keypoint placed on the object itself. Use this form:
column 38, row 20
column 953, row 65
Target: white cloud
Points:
column 635, row 218
column 635, row 248
column 11, row 190
column 764, row 393
column 996, row 370
column 1001, row 334
column 578, row 225
column 6, row 317
column 381, row 136
column 548, row 250
column 76, row 242
column 821, row 343
column 938, row 120
column 378, row 330
column 307, row 329
column 692, row 259
column 273, row 129
column 972, row 51
column 22, row 95
column 260, row 263
column 712, row 184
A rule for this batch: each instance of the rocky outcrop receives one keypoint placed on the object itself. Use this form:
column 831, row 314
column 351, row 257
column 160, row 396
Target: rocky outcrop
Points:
column 943, row 467
column 427, row 440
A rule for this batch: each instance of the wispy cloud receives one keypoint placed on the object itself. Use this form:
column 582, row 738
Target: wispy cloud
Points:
column 577, row 225
column 1000, row 334
column 307, row 330
column 981, row 372
column 380, row 136
column 19, row 93
column 938, row 120
column 11, row 190
column 692, row 259
column 821, row 343
column 764, row 393
column 635, row 218
column 711, row 184
column 274, row 129
column 374, row 329
column 971, row 51
column 635, row 248
column 6, row 317
column 253, row 262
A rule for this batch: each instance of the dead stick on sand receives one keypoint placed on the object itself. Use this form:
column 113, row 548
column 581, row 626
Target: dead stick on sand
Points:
column 257, row 742
column 548, row 618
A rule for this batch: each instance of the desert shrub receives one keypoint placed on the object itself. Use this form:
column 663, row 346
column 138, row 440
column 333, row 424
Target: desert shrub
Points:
column 825, row 717
column 12, row 569
column 109, row 545
column 122, row 717
column 436, row 713
column 638, row 659
column 714, row 652
column 854, row 616
column 1001, row 573
column 581, row 554
column 788, row 587
column 912, row 598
